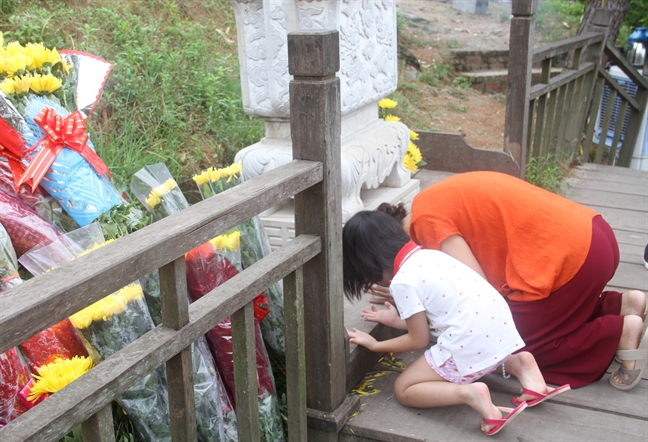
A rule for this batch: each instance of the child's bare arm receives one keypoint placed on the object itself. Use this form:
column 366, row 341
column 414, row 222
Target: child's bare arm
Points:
column 418, row 336
column 389, row 316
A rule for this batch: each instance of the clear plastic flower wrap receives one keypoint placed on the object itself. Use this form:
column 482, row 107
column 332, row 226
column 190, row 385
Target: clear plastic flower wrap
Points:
column 14, row 376
column 9, row 277
column 254, row 246
column 156, row 189
column 208, row 266
column 115, row 321
column 38, row 200
column 26, row 228
column 82, row 192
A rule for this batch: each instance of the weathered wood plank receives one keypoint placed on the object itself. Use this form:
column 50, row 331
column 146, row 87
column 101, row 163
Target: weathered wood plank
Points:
column 630, row 276
column 542, row 111
column 635, row 187
column 614, row 200
column 175, row 315
column 560, row 80
column 591, row 125
column 245, row 373
column 315, row 126
column 295, row 355
column 601, row 148
column 522, row 36
column 622, row 62
column 618, row 128
column 383, row 418
column 549, row 130
column 615, row 86
column 53, row 296
column 99, row 427
column 92, row 391
column 606, row 173
column 451, row 153
column 564, row 46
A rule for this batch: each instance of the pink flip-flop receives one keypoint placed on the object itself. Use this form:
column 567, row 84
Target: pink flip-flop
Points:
column 538, row 398
column 498, row 424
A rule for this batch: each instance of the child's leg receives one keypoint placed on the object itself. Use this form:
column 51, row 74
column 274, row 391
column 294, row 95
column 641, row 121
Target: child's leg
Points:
column 421, row 387
column 523, row 366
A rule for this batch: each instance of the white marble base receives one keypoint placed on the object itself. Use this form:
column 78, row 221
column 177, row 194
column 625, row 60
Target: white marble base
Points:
column 280, row 223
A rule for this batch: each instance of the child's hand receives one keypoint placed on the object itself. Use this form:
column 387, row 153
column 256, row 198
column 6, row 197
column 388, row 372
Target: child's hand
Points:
column 361, row 338
column 387, row 316
column 382, row 294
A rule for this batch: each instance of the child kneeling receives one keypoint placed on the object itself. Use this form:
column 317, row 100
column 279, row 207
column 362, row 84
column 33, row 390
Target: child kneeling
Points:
column 475, row 329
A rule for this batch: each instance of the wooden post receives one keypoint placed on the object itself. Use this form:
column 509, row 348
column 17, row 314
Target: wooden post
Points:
column 594, row 52
column 99, row 428
column 519, row 81
column 175, row 314
column 315, row 124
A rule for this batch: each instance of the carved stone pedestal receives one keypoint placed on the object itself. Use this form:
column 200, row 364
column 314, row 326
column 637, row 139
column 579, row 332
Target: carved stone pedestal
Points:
column 372, row 149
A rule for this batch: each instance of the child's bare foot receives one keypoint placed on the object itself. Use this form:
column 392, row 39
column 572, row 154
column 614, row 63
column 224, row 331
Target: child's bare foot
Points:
column 478, row 397
column 524, row 367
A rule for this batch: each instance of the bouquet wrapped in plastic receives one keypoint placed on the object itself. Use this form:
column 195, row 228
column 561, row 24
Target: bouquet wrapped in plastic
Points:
column 38, row 200
column 45, row 98
column 208, row 266
column 254, row 246
column 9, row 276
column 26, row 228
column 115, row 321
column 14, row 376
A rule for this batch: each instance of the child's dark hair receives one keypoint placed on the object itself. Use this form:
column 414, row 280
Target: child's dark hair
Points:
column 370, row 243
column 398, row 212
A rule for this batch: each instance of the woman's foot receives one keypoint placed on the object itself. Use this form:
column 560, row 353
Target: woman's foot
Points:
column 633, row 354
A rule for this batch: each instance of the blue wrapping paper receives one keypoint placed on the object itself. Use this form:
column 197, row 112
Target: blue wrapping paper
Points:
column 82, row 193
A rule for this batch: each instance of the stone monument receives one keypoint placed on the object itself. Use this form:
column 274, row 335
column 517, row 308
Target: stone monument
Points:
column 372, row 149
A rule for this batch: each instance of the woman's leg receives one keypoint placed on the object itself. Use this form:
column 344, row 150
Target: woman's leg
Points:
column 633, row 302
column 421, row 387
column 574, row 333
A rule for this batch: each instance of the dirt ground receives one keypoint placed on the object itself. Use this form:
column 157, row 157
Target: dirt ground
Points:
column 432, row 29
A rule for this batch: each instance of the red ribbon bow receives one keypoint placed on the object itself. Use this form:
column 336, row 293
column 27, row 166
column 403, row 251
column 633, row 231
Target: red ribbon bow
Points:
column 60, row 132
column 13, row 148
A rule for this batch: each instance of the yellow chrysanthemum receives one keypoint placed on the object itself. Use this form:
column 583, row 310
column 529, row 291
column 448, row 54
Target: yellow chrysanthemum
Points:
column 213, row 174
column 230, row 241
column 104, row 309
column 201, row 178
column 95, row 247
column 413, row 135
column 414, row 152
column 13, row 48
column 45, row 84
column 56, row 375
column 386, row 103
column 7, row 87
column 409, row 163
column 159, row 191
column 392, row 118
column 15, row 63
column 41, row 56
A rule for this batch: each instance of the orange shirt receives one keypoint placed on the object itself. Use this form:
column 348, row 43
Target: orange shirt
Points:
column 529, row 241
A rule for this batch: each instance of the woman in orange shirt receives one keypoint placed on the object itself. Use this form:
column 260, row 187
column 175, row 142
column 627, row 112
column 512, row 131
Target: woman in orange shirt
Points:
column 550, row 258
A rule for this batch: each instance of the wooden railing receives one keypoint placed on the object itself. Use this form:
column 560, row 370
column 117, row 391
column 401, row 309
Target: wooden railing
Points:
column 56, row 295
column 620, row 151
column 310, row 267
column 549, row 118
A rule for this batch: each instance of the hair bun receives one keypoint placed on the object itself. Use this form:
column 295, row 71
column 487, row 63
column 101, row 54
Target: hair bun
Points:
column 397, row 212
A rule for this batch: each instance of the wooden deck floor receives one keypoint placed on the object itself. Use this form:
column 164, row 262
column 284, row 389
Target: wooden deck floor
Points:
column 597, row 412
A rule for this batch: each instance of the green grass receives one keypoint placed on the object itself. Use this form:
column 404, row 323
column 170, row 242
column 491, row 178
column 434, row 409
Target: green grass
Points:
column 174, row 93
column 547, row 172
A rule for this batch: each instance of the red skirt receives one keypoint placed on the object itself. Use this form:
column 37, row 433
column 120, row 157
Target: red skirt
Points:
column 574, row 332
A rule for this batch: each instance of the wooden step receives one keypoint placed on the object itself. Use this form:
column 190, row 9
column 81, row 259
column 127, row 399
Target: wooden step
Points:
column 496, row 81
column 595, row 412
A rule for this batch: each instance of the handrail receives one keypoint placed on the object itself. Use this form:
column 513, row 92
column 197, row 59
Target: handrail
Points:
column 56, row 295
column 560, row 80
column 615, row 85
column 564, row 46
column 621, row 62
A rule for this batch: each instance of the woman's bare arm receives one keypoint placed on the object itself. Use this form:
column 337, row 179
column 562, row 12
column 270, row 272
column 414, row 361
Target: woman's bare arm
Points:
column 458, row 248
